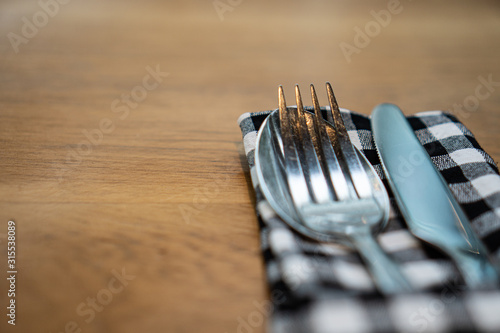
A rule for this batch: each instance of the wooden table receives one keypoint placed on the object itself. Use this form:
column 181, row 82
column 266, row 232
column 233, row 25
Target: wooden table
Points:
column 129, row 186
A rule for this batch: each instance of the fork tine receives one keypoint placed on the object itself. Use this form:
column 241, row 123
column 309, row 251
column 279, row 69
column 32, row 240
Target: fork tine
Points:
column 295, row 178
column 358, row 175
column 327, row 154
column 333, row 116
column 308, row 158
column 309, row 146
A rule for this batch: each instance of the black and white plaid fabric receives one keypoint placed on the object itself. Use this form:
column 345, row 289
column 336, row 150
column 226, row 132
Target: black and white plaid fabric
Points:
column 322, row 287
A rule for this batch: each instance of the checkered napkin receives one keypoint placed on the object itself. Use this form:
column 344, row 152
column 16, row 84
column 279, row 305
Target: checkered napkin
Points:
column 324, row 287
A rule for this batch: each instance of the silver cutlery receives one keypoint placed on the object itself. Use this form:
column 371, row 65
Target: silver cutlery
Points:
column 322, row 186
column 425, row 201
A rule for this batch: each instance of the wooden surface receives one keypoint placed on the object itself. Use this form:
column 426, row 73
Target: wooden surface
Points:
column 163, row 196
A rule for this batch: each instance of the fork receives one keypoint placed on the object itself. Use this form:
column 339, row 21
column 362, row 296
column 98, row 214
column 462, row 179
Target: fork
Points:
column 331, row 190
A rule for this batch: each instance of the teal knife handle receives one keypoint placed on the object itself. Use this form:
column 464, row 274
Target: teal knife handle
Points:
column 425, row 200
column 473, row 261
column 475, row 268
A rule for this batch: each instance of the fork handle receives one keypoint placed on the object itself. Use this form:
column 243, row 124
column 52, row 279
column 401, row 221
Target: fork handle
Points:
column 386, row 274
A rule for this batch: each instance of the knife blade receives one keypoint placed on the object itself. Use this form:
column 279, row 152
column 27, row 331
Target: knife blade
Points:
column 429, row 208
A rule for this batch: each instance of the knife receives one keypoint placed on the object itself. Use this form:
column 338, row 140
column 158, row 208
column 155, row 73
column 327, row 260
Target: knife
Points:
column 430, row 210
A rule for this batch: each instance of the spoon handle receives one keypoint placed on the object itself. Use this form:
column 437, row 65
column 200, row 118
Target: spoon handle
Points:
column 385, row 272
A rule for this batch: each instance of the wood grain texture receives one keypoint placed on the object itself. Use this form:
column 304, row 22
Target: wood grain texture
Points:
column 164, row 194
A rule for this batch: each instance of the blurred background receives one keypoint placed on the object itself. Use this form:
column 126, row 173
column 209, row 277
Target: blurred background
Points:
column 163, row 193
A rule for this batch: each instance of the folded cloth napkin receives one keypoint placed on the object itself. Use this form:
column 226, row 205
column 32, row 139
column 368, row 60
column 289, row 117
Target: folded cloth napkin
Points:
column 324, row 287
